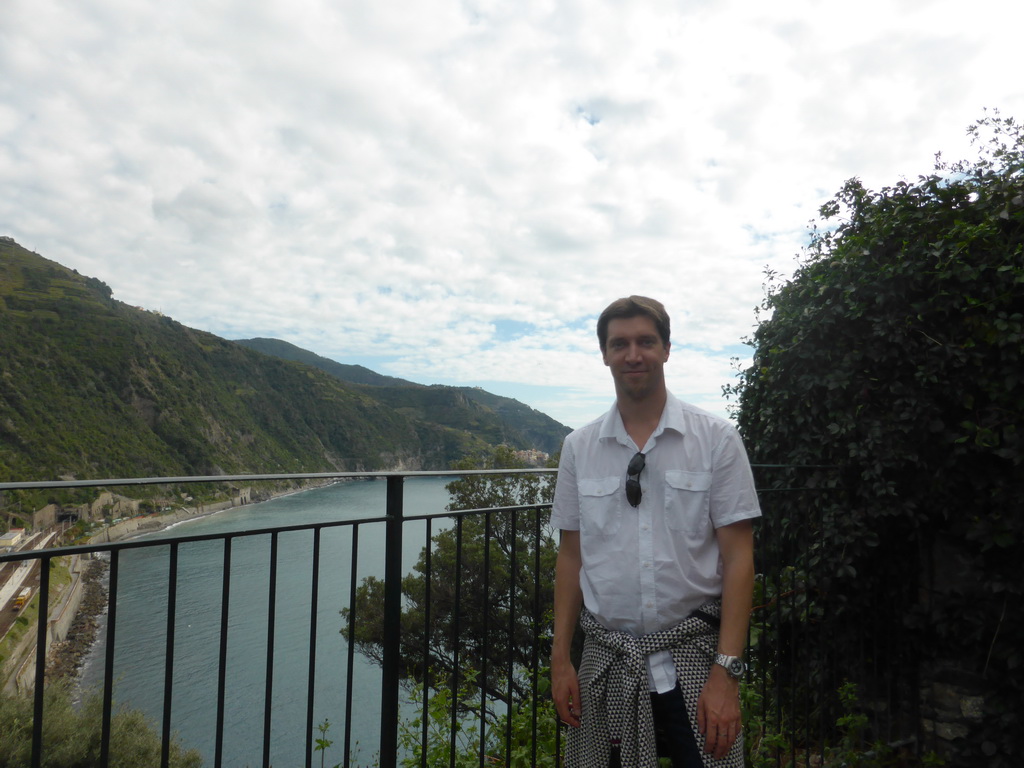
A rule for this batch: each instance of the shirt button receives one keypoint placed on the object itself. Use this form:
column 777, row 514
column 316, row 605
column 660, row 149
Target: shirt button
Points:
column 647, row 564
column 650, row 604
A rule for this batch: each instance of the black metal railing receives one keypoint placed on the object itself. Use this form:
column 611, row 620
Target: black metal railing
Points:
column 794, row 702
column 394, row 521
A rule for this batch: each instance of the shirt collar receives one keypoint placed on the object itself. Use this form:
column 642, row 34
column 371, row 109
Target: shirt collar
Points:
column 672, row 417
column 612, row 427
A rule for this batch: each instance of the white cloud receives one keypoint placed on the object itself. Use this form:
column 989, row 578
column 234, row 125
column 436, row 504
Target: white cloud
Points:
column 389, row 183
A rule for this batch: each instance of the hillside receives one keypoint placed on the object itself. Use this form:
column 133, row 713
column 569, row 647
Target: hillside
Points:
column 91, row 387
column 493, row 418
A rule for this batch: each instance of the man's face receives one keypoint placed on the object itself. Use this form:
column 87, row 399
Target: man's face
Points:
column 636, row 356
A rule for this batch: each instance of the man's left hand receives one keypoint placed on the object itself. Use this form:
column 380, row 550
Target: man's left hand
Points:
column 718, row 712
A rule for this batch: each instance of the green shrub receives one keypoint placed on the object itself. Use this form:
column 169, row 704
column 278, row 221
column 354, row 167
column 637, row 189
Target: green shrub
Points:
column 71, row 735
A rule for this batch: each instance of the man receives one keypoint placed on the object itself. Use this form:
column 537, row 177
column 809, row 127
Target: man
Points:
column 654, row 502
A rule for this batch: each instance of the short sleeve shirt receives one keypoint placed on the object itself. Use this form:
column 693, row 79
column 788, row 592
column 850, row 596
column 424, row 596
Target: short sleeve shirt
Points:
column 647, row 568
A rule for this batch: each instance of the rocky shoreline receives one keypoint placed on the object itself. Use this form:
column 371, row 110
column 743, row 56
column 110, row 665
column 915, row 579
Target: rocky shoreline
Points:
column 66, row 657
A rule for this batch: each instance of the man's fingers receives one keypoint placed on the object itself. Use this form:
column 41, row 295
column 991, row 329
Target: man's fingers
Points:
column 567, row 706
column 713, row 747
column 720, row 740
column 565, row 690
column 568, row 712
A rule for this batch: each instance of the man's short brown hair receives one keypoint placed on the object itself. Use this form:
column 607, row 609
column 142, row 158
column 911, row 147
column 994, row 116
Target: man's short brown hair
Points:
column 632, row 306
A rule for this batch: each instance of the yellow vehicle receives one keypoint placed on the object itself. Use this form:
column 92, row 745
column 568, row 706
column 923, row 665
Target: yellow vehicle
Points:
column 22, row 598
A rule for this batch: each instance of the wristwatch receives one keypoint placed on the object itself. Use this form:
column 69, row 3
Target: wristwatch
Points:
column 733, row 665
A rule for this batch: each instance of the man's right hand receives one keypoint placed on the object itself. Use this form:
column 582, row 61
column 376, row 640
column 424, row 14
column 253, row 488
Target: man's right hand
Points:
column 565, row 687
column 565, row 690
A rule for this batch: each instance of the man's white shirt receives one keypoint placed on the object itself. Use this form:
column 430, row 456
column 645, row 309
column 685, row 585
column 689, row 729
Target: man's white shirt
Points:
column 647, row 568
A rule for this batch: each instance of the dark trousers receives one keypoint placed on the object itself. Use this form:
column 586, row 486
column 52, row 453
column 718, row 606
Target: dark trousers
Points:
column 675, row 737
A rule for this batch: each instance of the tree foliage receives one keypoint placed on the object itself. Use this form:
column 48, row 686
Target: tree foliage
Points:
column 526, row 739
column 72, row 735
column 474, row 602
column 894, row 354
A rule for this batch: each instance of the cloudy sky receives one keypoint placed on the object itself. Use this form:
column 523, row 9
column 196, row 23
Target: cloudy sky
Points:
column 451, row 190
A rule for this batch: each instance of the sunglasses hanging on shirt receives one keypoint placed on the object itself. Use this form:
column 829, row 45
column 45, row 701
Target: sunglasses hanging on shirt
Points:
column 633, row 470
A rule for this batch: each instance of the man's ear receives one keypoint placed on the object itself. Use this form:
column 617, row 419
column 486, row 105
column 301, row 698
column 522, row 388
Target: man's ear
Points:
column 668, row 348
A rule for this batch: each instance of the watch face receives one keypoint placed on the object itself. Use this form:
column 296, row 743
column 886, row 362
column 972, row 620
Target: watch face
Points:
column 735, row 668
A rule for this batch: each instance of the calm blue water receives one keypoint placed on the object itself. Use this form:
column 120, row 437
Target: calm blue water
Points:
column 141, row 624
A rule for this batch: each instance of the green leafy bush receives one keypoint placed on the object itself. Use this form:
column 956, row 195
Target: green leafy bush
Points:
column 71, row 735
column 526, row 739
column 894, row 356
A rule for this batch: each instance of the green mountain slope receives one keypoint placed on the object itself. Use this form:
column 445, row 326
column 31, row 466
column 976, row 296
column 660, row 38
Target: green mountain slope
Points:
column 91, row 387
column 493, row 418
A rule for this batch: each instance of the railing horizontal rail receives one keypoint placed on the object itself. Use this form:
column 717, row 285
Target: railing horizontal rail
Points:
column 195, row 479
column 85, row 549
column 120, row 546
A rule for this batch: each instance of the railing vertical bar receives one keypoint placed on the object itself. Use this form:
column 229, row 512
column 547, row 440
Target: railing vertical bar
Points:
column 268, row 700
column 108, row 667
column 350, row 665
column 172, row 602
column 222, row 671
column 513, row 566
column 314, row 598
column 777, row 578
column 877, row 682
column 391, row 662
column 454, row 682
column 535, row 633
column 42, row 622
column 763, row 653
column 778, row 648
column 485, row 608
column 827, row 690
column 798, row 630
column 428, row 577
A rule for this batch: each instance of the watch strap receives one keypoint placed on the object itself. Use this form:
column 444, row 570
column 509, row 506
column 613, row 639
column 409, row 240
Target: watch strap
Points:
column 733, row 665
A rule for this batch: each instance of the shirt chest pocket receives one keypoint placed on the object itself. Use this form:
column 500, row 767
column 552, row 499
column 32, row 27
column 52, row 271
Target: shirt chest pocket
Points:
column 599, row 505
column 687, row 500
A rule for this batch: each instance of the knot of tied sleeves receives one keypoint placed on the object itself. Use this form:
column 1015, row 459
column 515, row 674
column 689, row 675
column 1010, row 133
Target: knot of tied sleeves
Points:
column 616, row 700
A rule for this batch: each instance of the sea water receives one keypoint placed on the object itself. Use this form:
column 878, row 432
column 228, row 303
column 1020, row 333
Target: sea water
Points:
column 141, row 623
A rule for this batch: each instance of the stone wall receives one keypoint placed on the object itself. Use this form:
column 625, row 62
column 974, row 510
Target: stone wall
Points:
column 953, row 688
column 952, row 705
column 111, row 505
column 61, row 617
column 44, row 518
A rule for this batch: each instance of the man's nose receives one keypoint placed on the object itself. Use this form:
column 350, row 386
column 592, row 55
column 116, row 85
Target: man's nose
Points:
column 633, row 352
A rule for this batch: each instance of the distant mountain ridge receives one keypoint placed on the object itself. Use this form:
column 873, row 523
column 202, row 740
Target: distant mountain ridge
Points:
column 496, row 418
column 355, row 374
column 91, row 388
